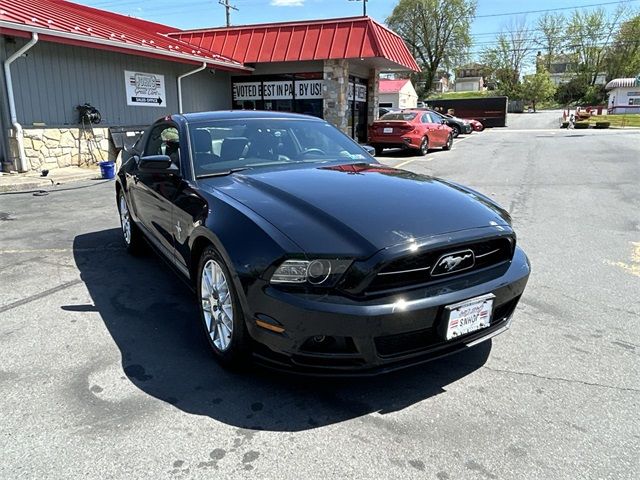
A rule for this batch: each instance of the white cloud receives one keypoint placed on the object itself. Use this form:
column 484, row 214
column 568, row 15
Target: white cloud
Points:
column 287, row 3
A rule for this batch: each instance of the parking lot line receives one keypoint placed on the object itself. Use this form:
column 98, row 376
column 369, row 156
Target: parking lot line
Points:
column 407, row 162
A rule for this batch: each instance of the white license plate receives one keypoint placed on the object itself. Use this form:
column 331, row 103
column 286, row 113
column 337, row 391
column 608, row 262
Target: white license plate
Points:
column 387, row 130
column 469, row 315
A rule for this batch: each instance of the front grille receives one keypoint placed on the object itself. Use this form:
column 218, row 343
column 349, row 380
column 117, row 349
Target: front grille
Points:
column 415, row 270
column 419, row 340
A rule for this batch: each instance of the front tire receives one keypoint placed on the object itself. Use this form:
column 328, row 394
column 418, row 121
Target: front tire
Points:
column 456, row 131
column 221, row 314
column 379, row 150
column 131, row 234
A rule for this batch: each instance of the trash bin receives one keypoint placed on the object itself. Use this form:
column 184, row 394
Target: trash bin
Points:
column 107, row 170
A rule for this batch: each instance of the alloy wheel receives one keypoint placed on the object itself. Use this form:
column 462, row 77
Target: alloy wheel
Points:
column 125, row 220
column 217, row 304
column 424, row 146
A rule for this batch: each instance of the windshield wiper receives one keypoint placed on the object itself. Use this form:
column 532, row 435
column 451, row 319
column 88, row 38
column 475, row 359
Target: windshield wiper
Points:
column 221, row 173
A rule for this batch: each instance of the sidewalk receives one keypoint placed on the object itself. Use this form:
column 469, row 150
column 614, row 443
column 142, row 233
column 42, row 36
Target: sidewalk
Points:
column 33, row 180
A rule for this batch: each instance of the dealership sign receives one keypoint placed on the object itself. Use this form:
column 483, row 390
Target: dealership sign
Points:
column 144, row 89
column 280, row 90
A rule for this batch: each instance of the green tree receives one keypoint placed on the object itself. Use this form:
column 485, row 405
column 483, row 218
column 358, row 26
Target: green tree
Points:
column 436, row 31
column 623, row 57
column 537, row 88
column 591, row 35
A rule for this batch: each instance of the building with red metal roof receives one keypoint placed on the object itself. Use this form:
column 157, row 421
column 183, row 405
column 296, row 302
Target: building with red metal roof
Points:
column 397, row 94
column 331, row 39
column 58, row 55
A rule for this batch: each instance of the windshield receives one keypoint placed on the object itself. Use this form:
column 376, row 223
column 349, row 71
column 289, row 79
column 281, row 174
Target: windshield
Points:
column 227, row 145
column 407, row 117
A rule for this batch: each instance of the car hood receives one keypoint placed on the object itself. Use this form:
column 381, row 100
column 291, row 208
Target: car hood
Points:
column 356, row 210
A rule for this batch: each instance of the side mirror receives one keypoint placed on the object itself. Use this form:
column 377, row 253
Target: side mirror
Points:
column 369, row 149
column 443, row 121
column 157, row 164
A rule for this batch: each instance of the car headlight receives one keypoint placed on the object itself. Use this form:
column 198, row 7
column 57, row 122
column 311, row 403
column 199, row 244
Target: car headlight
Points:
column 319, row 272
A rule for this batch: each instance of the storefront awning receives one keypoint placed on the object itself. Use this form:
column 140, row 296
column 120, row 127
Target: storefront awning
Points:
column 340, row 38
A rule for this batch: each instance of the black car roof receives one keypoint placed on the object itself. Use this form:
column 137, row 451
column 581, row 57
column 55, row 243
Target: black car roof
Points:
column 236, row 114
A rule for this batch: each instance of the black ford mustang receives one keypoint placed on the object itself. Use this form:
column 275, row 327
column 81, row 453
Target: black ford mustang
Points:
column 305, row 252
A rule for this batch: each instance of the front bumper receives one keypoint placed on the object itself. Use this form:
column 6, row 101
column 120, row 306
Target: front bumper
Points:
column 372, row 336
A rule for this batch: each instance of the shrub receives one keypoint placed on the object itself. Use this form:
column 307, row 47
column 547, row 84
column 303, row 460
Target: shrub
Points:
column 581, row 125
column 602, row 124
column 564, row 125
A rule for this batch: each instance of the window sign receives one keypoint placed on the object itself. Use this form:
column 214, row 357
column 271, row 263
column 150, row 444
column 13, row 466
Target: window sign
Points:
column 308, row 89
column 247, row 91
column 144, row 89
column 278, row 90
column 360, row 92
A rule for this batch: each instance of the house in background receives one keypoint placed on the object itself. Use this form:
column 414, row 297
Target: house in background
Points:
column 624, row 95
column 397, row 94
column 563, row 68
column 470, row 78
column 441, row 82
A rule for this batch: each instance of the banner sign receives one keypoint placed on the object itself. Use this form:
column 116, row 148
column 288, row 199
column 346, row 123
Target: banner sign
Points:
column 278, row 90
column 247, row 91
column 308, row 89
column 144, row 89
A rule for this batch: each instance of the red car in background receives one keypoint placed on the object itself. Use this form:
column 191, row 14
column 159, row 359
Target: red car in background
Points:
column 475, row 124
column 410, row 129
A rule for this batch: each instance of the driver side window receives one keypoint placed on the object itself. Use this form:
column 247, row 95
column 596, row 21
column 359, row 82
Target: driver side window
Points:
column 164, row 140
column 426, row 118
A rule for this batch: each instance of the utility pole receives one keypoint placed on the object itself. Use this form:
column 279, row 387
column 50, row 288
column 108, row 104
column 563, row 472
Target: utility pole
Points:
column 364, row 6
column 228, row 7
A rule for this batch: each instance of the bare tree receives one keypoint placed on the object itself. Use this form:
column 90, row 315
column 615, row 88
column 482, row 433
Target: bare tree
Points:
column 510, row 54
column 551, row 36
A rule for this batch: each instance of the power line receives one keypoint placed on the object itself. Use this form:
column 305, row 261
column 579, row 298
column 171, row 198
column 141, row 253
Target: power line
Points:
column 577, row 7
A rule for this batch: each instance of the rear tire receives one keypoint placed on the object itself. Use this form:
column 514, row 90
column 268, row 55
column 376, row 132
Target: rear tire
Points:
column 131, row 234
column 449, row 144
column 424, row 146
column 481, row 127
column 221, row 314
column 379, row 150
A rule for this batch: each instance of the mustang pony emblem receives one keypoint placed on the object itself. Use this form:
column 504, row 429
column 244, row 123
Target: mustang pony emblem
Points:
column 453, row 262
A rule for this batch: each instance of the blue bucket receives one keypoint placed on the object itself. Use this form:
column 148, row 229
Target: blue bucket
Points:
column 107, row 170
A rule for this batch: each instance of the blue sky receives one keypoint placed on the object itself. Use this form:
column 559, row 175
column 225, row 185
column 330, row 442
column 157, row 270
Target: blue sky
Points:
column 187, row 14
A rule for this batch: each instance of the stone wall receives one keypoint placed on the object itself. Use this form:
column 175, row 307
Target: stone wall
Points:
column 47, row 148
column 335, row 92
column 373, row 95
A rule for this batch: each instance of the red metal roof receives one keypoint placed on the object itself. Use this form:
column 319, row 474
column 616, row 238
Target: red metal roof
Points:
column 66, row 22
column 340, row 38
column 392, row 86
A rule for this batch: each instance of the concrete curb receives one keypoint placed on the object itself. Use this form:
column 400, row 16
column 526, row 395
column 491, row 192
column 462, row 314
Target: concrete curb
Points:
column 20, row 183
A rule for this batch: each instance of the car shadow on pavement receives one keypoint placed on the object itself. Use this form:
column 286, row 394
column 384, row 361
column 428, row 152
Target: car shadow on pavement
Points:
column 153, row 319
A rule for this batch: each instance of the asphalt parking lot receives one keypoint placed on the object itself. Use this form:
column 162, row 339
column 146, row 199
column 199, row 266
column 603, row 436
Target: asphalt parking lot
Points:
column 103, row 373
